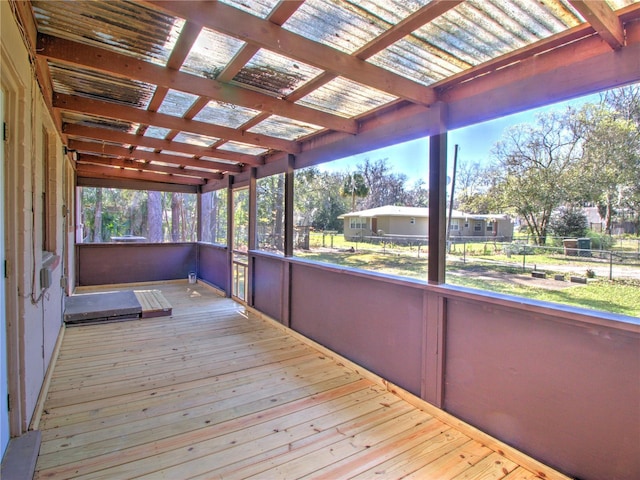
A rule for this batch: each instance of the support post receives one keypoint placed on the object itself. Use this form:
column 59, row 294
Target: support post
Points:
column 437, row 201
column 230, row 246
column 288, row 206
column 253, row 228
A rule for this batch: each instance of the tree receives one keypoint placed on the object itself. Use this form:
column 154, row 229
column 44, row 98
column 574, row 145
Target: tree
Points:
column 354, row 185
column 154, row 216
column 610, row 165
column 477, row 188
column 97, row 223
column 176, row 201
column 318, row 199
column 569, row 222
column 537, row 165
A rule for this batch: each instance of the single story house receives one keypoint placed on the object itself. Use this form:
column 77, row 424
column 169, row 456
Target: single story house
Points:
column 413, row 222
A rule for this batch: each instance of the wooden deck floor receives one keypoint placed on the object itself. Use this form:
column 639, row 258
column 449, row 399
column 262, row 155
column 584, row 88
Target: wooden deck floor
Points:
column 214, row 392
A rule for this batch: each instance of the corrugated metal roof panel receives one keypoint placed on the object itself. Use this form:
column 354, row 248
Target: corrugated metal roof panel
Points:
column 259, row 8
column 210, row 54
column 474, row 32
column 243, row 148
column 618, row 4
column 341, row 25
column 274, row 74
column 177, row 103
column 157, row 132
column 286, row 128
column 225, row 114
column 101, row 122
column 346, row 98
column 88, row 83
column 120, row 25
column 195, row 139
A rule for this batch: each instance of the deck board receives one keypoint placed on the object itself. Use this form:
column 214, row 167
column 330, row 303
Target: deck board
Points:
column 216, row 392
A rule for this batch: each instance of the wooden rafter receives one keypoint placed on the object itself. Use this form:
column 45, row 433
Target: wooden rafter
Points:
column 105, row 149
column 604, row 21
column 130, row 114
column 147, row 167
column 74, row 53
column 278, row 16
column 99, row 171
column 114, row 136
column 421, row 17
column 264, row 34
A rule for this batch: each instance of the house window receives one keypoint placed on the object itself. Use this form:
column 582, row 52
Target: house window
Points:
column 455, row 226
column 477, row 227
column 466, row 224
column 413, row 220
column 490, row 227
column 357, row 222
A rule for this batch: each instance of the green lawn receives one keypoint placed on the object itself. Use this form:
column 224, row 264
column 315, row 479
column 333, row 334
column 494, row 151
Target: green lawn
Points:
column 618, row 296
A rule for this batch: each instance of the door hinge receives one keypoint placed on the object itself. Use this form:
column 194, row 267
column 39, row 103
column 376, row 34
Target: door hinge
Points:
column 8, row 402
column 6, row 275
column 5, row 131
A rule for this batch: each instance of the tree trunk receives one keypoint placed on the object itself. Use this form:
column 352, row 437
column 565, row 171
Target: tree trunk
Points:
column 279, row 209
column 154, row 217
column 175, row 216
column 206, row 217
column 97, row 222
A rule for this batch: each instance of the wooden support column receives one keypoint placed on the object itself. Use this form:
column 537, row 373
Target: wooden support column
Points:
column 435, row 314
column 253, row 229
column 288, row 206
column 438, row 200
column 229, row 285
column 199, row 215
column 289, row 233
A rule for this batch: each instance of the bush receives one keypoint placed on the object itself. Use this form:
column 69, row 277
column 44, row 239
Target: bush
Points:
column 600, row 241
column 569, row 223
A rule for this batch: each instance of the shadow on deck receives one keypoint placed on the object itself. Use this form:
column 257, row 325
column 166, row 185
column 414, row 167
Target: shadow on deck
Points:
column 215, row 391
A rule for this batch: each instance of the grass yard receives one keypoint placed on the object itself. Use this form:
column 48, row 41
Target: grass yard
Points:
column 618, row 296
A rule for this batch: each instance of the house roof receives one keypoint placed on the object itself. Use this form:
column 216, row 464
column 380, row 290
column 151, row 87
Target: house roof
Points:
column 186, row 92
column 418, row 212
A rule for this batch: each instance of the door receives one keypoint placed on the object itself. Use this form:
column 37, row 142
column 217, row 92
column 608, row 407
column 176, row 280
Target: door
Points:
column 4, row 375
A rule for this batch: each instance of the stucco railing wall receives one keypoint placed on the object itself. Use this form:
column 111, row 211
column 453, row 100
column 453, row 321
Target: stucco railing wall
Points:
column 561, row 384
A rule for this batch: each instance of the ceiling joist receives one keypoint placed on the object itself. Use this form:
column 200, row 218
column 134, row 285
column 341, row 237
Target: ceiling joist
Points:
column 147, row 167
column 105, row 149
column 603, row 20
column 114, row 136
column 116, row 111
column 99, row 171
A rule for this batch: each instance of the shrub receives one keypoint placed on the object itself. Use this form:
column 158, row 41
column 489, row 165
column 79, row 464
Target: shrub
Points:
column 569, row 223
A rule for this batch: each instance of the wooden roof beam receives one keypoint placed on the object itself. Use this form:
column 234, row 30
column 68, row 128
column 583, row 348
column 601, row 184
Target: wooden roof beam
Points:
column 103, row 149
column 114, row 136
column 116, row 111
column 603, row 19
column 99, row 171
column 74, row 53
column 264, row 34
column 147, row 167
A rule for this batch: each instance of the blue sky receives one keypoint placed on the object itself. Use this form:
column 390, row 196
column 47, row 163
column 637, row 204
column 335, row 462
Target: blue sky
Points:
column 475, row 144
